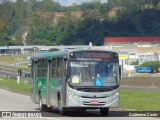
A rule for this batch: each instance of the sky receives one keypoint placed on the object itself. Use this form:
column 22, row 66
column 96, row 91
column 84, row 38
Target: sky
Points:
column 70, row 2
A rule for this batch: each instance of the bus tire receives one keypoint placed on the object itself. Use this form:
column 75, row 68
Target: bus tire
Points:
column 41, row 106
column 104, row 111
column 49, row 109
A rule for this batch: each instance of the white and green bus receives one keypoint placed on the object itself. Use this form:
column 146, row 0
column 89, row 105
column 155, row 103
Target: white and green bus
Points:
column 75, row 80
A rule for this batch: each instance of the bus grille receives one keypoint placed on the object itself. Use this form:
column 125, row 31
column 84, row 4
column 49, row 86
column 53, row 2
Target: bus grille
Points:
column 92, row 89
column 91, row 97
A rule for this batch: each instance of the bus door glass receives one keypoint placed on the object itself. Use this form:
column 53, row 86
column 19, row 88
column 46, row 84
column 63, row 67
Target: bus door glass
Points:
column 56, row 80
column 42, row 75
column 53, row 76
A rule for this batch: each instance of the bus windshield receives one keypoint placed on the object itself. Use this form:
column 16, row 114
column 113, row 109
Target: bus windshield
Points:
column 93, row 74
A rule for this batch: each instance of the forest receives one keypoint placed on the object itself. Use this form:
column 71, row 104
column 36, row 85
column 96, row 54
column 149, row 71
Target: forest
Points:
column 46, row 22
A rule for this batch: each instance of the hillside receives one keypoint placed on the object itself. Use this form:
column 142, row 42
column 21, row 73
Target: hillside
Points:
column 47, row 23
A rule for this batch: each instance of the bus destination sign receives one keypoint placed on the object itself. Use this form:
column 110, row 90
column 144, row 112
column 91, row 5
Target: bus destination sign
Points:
column 103, row 55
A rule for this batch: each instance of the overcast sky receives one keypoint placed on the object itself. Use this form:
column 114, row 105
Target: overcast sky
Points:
column 70, row 2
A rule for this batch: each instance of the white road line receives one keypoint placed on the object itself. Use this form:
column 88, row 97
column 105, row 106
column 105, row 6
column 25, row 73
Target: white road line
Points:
column 3, row 110
column 52, row 118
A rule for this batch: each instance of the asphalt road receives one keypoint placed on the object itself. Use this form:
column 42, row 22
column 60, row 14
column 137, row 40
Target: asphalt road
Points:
column 17, row 102
column 12, row 73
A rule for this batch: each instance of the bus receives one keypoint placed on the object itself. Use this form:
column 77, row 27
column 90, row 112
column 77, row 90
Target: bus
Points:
column 76, row 80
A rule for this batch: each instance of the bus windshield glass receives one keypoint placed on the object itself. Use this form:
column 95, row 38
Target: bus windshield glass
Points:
column 101, row 73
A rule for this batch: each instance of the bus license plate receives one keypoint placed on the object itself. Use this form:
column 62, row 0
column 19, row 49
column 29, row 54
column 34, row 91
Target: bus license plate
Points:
column 94, row 102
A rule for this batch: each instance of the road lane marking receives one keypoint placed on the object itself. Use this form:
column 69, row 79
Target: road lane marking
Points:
column 2, row 110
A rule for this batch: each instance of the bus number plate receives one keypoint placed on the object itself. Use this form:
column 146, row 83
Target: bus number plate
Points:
column 94, row 102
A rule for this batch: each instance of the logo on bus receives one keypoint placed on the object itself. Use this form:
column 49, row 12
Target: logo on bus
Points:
column 98, row 82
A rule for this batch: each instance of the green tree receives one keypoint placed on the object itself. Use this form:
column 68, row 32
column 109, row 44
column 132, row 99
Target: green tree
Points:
column 155, row 65
column 32, row 5
column 49, row 6
column 66, row 29
column 6, row 15
column 155, row 3
column 41, row 28
column 3, row 30
column 18, row 37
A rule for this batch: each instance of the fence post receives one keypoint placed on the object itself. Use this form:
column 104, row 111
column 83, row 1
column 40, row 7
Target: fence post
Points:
column 18, row 78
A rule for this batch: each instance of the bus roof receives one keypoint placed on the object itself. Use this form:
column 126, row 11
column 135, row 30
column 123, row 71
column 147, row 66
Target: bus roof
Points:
column 63, row 52
column 50, row 54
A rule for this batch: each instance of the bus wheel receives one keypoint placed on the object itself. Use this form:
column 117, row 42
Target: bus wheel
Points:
column 41, row 106
column 49, row 109
column 104, row 111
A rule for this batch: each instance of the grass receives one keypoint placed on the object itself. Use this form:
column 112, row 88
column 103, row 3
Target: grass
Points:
column 15, row 62
column 7, row 59
column 24, row 64
column 12, row 85
column 140, row 100
column 14, row 58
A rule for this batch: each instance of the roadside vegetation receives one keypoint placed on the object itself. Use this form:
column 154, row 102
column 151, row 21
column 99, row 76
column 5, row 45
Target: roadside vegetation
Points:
column 15, row 62
column 11, row 85
column 46, row 22
column 155, row 66
column 140, row 100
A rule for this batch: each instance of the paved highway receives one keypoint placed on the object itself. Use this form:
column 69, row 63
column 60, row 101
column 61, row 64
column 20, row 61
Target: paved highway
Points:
column 12, row 73
column 17, row 102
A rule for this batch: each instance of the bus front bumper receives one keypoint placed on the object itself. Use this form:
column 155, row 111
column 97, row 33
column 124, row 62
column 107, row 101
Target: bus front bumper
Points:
column 75, row 101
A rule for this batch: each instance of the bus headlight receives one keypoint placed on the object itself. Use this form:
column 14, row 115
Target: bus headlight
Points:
column 115, row 95
column 69, row 92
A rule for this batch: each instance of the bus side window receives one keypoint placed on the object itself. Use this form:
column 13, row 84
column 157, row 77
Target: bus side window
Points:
column 53, row 67
column 39, row 68
column 44, row 68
